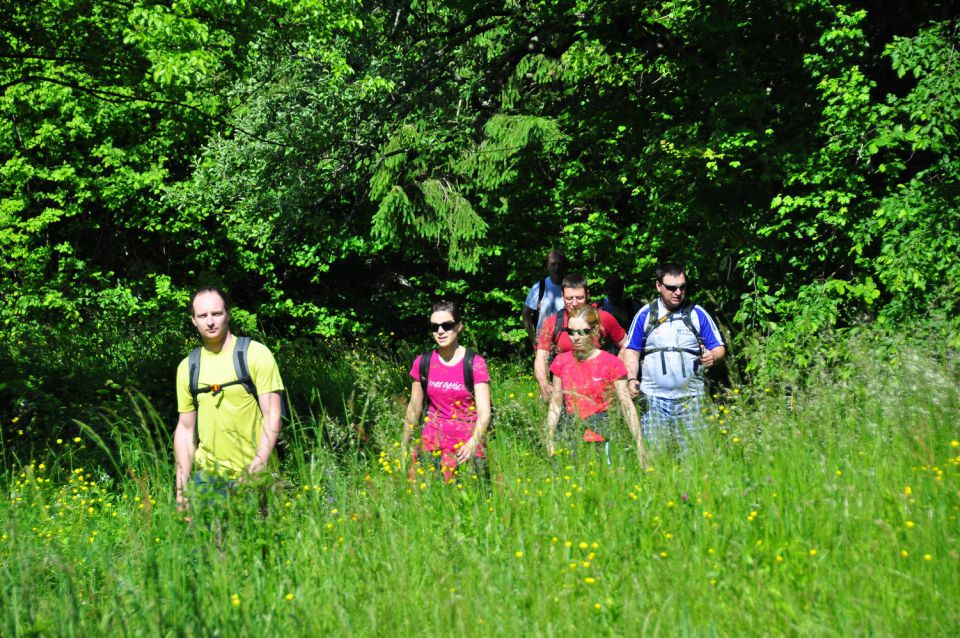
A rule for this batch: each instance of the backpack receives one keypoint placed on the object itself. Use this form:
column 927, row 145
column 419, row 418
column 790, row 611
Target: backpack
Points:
column 543, row 289
column 239, row 365
column 467, row 362
column 605, row 342
column 652, row 324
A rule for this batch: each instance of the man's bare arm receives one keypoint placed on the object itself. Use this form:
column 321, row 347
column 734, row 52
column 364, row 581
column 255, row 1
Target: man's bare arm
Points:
column 184, row 451
column 270, row 406
column 530, row 325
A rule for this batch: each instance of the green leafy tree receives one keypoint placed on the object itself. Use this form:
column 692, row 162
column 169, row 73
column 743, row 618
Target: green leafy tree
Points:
column 338, row 164
column 102, row 108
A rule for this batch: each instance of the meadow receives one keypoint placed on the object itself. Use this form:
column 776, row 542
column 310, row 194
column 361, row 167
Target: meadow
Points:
column 830, row 511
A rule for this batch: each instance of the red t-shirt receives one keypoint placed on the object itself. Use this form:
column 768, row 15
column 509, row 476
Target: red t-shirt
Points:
column 609, row 328
column 588, row 386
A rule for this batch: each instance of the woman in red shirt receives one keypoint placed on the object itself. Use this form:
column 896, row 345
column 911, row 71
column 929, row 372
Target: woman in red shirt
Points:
column 586, row 380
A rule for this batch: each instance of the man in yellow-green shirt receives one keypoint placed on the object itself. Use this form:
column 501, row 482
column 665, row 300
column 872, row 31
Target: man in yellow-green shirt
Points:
column 238, row 429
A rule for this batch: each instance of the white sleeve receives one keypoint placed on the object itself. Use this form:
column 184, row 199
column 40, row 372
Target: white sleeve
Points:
column 532, row 300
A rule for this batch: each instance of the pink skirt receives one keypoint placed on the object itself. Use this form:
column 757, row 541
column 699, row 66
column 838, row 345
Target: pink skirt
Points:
column 445, row 437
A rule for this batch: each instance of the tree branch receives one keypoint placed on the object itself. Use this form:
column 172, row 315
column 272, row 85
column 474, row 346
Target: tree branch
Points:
column 120, row 98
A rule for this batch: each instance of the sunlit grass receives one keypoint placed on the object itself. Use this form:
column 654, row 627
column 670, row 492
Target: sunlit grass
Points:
column 834, row 513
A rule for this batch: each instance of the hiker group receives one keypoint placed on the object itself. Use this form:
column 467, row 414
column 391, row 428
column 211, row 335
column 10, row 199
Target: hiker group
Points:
column 587, row 358
column 675, row 339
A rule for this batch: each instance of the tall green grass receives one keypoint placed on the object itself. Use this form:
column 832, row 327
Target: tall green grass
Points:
column 833, row 512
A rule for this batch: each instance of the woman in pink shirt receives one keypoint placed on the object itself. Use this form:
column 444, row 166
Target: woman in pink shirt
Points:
column 585, row 381
column 454, row 384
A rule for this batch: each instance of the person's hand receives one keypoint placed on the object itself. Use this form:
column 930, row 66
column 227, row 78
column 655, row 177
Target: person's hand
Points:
column 634, row 386
column 706, row 357
column 183, row 506
column 465, row 451
column 256, row 466
column 545, row 390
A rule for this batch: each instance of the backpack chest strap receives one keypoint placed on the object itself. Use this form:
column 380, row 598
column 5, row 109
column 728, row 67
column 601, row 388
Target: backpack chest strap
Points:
column 240, row 367
column 217, row 388
column 695, row 353
column 683, row 367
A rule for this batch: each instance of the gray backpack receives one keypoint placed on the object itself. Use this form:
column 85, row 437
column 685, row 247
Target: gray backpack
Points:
column 239, row 365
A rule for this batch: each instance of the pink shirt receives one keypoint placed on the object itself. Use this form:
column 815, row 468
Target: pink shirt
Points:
column 452, row 415
column 446, row 391
column 588, row 386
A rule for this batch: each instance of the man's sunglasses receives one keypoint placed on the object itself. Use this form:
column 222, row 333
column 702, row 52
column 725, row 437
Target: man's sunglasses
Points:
column 582, row 332
column 446, row 325
column 674, row 288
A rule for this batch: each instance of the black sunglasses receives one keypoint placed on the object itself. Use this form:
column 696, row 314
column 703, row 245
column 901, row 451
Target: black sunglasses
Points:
column 446, row 325
column 583, row 332
column 674, row 288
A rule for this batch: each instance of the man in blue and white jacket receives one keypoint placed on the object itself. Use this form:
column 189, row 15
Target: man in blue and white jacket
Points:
column 677, row 340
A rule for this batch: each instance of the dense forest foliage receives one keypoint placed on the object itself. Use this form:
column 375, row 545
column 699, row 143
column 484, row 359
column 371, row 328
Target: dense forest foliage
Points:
column 337, row 163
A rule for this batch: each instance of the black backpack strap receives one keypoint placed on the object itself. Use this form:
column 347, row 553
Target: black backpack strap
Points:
column 687, row 312
column 663, row 361
column 194, row 370
column 652, row 322
column 240, row 365
column 543, row 290
column 686, row 315
column 468, row 356
column 558, row 325
column 424, row 375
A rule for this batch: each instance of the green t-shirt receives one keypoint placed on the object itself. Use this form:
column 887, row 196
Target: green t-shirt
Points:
column 229, row 423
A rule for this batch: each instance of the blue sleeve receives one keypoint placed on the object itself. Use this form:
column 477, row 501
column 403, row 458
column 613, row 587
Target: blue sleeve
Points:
column 708, row 329
column 635, row 336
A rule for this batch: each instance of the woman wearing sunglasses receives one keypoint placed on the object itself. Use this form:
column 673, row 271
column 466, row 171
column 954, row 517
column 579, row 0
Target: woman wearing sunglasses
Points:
column 452, row 383
column 586, row 380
